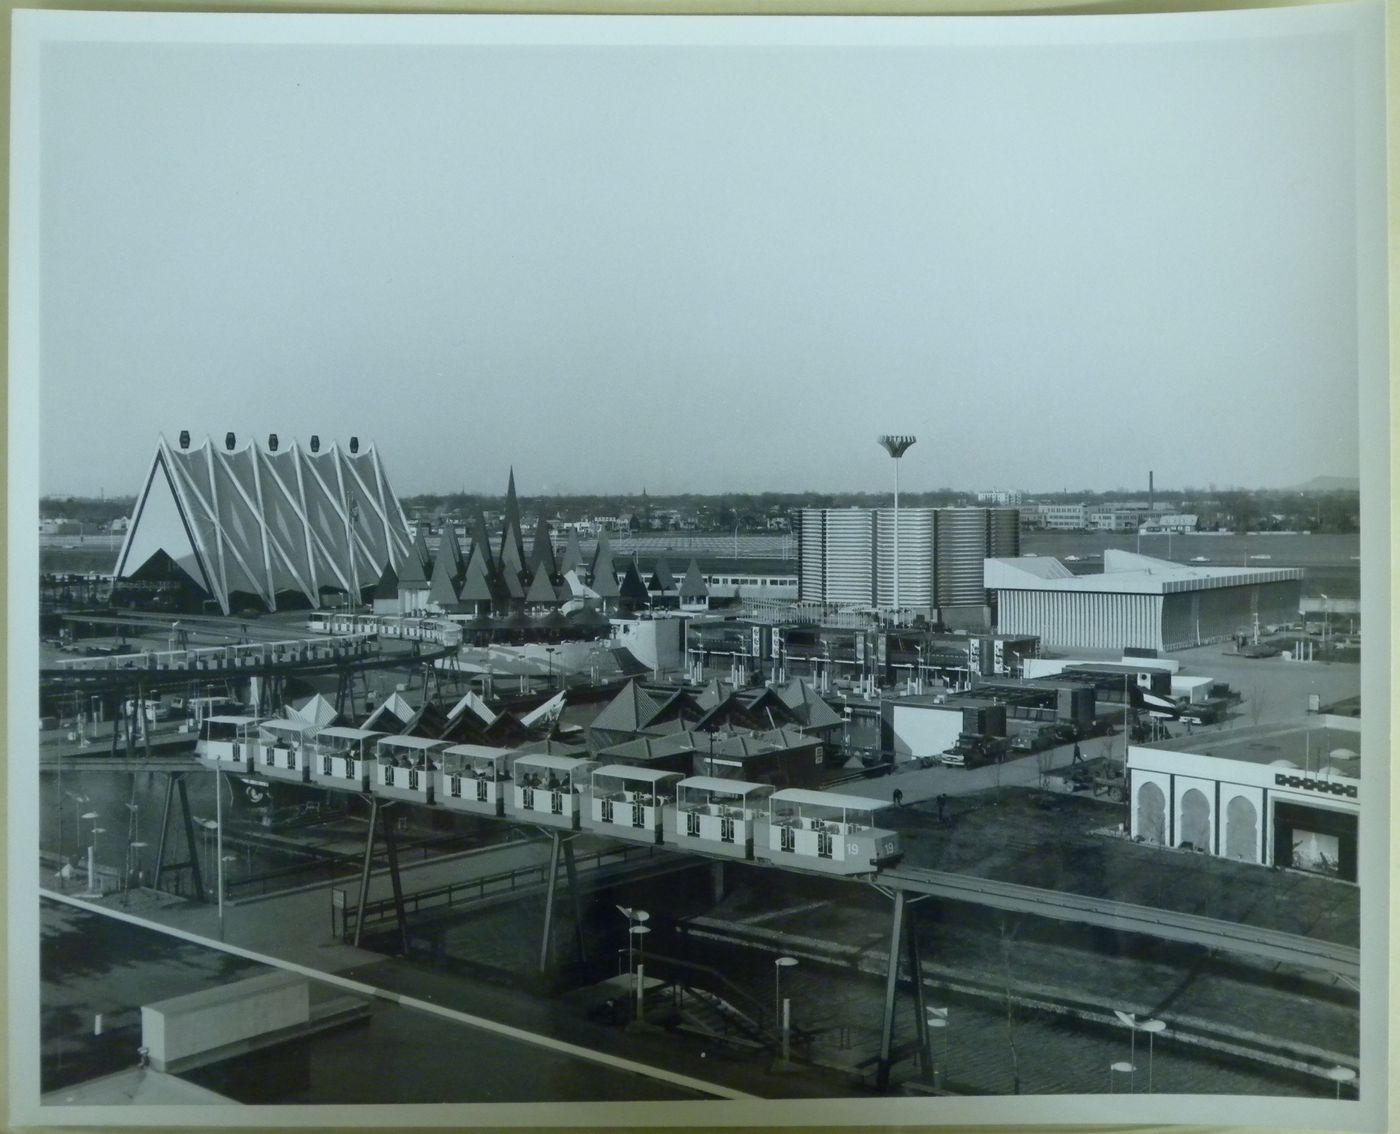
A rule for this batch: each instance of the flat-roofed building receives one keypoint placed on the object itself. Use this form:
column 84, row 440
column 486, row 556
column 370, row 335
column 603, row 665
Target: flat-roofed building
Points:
column 1137, row 601
column 1286, row 795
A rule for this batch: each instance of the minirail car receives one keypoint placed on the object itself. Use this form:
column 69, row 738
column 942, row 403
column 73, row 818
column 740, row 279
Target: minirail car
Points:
column 794, row 828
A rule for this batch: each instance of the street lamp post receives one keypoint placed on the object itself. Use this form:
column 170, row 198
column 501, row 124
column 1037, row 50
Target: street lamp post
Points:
column 92, row 889
column 780, row 1007
column 896, row 445
column 549, row 651
column 639, row 932
column 1340, row 1075
column 938, row 1018
column 635, row 917
column 1151, row 1027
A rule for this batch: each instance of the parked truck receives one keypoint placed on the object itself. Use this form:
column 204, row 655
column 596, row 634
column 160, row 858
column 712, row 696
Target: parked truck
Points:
column 973, row 749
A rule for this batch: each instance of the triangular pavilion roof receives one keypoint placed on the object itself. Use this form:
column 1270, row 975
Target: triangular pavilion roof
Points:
column 808, row 704
column 750, row 708
column 602, row 554
column 693, row 585
column 478, row 586
column 603, row 581
column 632, row 586
column 415, row 568
column 317, row 710
column 388, row 585
column 573, row 554
column 630, row 711
column 510, row 580
column 541, row 589
column 450, row 550
column 481, row 542
column 512, row 539
column 391, row 716
column 443, row 589
column 661, row 577
column 543, row 549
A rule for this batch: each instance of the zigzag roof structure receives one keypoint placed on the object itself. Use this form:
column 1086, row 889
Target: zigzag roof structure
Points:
column 266, row 522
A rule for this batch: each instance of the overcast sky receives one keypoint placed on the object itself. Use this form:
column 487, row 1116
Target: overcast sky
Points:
column 708, row 269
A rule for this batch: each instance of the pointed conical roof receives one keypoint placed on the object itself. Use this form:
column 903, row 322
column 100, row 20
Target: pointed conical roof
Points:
column 512, row 540
column 604, row 581
column 543, row 550
column 451, row 551
column 478, row 585
column 415, row 567
column 481, row 542
column 443, row 589
column 693, row 585
column 510, row 580
column 573, row 554
column 388, row 585
column 632, row 586
column 541, row 589
column 661, row 577
column 602, row 555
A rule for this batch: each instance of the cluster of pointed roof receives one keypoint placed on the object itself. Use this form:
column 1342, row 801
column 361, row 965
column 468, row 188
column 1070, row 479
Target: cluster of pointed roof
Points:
column 642, row 725
column 509, row 576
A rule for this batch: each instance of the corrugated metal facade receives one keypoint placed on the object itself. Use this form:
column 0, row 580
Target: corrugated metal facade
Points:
column 1176, row 620
column 1093, row 620
column 916, row 557
column 847, row 554
column 963, row 540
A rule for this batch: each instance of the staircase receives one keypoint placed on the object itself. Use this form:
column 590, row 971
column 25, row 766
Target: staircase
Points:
column 705, row 1014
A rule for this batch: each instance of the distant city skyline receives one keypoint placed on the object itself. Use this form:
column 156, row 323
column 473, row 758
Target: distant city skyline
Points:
column 709, row 270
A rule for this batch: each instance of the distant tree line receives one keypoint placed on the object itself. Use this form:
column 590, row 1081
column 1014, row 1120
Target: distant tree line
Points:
column 1239, row 509
column 1236, row 508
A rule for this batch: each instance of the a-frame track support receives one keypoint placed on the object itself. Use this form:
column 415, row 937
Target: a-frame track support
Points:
column 175, row 781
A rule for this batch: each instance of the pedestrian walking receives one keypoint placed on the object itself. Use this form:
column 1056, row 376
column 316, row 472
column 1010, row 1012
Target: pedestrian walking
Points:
column 942, row 803
column 898, row 797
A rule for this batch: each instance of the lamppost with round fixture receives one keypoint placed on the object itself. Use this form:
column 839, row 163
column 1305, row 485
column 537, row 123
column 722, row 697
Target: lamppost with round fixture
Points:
column 896, row 445
column 781, row 1009
column 92, row 890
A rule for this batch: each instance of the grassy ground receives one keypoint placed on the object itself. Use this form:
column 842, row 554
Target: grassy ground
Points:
column 1059, row 842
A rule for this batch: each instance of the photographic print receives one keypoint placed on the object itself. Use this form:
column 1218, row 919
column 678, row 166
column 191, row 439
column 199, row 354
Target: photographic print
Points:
column 699, row 571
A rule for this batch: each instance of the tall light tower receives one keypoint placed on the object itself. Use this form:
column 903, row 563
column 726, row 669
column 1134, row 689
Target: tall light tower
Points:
column 895, row 446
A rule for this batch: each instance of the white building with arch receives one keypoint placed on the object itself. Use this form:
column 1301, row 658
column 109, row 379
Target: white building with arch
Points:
column 1286, row 794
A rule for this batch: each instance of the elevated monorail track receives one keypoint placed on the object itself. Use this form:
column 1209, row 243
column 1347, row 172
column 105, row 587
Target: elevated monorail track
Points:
column 1125, row 917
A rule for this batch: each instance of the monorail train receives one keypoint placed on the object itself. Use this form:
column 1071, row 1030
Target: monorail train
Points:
column 442, row 631
column 796, row 828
